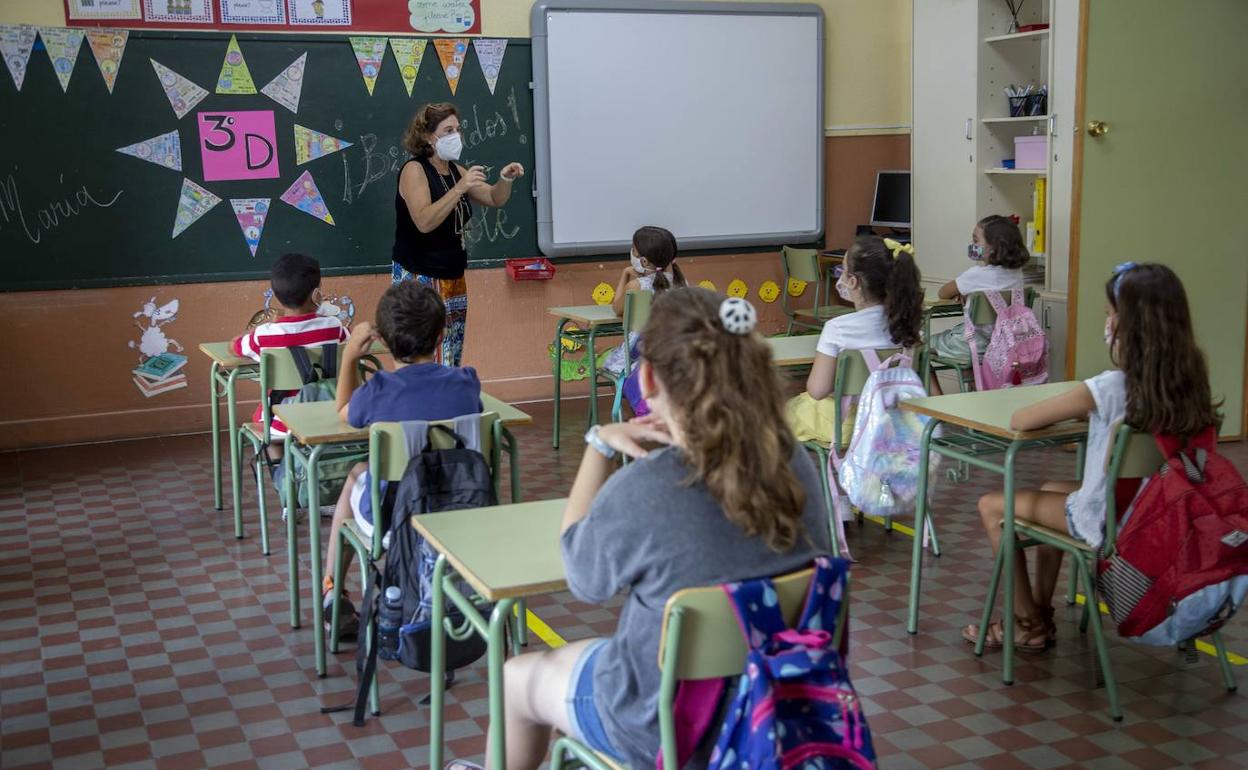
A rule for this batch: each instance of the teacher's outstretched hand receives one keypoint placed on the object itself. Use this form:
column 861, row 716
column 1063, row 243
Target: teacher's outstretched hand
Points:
column 432, row 208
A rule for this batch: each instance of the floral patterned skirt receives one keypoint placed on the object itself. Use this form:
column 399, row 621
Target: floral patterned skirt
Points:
column 454, row 294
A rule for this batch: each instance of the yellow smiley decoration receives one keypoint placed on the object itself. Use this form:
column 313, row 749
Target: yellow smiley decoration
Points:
column 796, row 287
column 738, row 289
column 707, row 285
column 604, row 293
column 769, row 291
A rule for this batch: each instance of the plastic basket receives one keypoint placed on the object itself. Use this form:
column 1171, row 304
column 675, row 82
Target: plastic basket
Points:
column 530, row 269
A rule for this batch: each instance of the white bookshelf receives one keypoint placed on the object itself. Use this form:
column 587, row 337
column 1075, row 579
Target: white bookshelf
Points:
column 1036, row 35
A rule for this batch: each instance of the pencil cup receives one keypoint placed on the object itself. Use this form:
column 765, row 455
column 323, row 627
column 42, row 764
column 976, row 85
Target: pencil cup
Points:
column 1018, row 106
column 1037, row 104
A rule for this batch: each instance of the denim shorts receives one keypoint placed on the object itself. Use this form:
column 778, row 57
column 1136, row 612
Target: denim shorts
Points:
column 585, row 721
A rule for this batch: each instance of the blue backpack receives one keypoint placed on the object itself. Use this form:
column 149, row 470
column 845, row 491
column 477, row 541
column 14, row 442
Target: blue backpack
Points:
column 795, row 706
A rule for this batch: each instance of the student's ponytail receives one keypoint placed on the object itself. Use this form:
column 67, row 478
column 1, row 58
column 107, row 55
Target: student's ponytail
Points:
column 658, row 246
column 890, row 276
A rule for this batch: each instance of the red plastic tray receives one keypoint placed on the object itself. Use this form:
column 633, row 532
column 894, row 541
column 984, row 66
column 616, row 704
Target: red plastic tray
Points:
column 530, row 269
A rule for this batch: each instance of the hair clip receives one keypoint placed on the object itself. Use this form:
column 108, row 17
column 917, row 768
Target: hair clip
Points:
column 1121, row 269
column 897, row 247
column 737, row 316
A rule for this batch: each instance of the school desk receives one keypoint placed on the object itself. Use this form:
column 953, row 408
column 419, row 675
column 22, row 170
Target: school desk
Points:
column 521, row 558
column 312, row 429
column 986, row 417
column 592, row 321
column 793, row 351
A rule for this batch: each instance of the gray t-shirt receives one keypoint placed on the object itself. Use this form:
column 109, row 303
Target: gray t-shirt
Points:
column 650, row 533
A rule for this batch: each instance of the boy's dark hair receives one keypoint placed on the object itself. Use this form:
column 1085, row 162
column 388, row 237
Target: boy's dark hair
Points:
column 294, row 277
column 410, row 318
column 1005, row 244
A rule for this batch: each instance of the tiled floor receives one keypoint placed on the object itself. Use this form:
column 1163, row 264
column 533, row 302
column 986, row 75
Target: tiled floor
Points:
column 135, row 631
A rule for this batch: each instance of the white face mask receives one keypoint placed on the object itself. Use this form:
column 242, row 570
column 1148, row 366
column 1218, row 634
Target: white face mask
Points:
column 1109, row 331
column 638, row 267
column 843, row 289
column 449, row 147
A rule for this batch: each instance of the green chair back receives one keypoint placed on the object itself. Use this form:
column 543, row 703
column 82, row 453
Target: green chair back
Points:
column 1132, row 455
column 851, row 376
column 278, row 372
column 637, row 310
column 981, row 309
column 802, row 264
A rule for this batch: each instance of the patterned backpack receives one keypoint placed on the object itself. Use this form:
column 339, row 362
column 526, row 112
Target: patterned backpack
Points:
column 1017, row 353
column 795, row 706
column 879, row 472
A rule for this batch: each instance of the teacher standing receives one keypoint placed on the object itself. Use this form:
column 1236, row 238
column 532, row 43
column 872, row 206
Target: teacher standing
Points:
column 432, row 210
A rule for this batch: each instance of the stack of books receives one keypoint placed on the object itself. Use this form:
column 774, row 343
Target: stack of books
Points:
column 160, row 374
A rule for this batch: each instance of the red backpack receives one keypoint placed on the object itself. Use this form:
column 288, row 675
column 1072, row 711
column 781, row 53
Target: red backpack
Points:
column 1179, row 568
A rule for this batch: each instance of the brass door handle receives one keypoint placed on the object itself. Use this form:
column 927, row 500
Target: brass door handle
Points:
column 1097, row 128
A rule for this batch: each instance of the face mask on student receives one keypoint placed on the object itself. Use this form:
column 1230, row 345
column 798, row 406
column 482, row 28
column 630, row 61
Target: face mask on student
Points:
column 843, row 289
column 449, row 147
column 638, row 267
column 1109, row 332
column 975, row 251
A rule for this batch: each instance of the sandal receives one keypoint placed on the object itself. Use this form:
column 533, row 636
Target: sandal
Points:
column 1031, row 635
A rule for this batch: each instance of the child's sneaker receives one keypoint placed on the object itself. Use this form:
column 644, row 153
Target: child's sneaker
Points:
column 348, row 618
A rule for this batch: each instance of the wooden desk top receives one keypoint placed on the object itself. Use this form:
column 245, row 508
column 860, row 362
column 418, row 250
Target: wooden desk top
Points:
column 990, row 411
column 318, row 423
column 793, row 351
column 519, row 555
column 587, row 316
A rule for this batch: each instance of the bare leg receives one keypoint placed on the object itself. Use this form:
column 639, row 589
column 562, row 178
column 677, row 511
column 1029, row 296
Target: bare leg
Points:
column 342, row 512
column 1048, row 558
column 935, row 383
column 536, row 687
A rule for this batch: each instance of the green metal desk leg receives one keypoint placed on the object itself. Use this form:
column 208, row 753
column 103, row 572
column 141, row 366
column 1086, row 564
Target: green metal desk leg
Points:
column 513, row 463
column 236, row 450
column 314, row 535
column 1008, row 549
column 292, row 534
column 214, row 404
column 497, row 654
column 559, row 327
column 437, row 665
column 1072, row 588
column 593, row 375
column 920, row 523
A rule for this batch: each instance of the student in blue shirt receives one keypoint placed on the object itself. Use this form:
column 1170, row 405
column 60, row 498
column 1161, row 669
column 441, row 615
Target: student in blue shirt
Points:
column 411, row 320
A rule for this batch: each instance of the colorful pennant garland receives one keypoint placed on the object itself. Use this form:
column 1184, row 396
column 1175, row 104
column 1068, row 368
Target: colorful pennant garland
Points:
column 193, row 203
column 62, row 45
column 369, row 51
column 108, row 45
column 310, row 144
column 287, row 87
column 16, row 43
column 183, row 94
column 164, row 150
column 251, row 213
column 409, row 53
column 305, row 196
column 490, row 57
column 452, row 52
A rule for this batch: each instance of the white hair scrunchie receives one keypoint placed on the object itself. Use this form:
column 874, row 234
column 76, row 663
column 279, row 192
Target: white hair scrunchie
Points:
column 737, row 315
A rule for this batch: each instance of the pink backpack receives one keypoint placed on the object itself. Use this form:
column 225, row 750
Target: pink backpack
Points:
column 1017, row 353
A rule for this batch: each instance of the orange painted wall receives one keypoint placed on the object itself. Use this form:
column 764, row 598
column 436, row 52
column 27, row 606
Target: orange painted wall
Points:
column 68, row 360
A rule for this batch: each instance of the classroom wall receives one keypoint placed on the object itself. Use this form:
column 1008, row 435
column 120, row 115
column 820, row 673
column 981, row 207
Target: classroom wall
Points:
column 56, row 399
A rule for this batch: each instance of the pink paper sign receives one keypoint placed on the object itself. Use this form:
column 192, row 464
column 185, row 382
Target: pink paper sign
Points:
column 238, row 145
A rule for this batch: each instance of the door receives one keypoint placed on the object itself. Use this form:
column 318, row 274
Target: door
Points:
column 942, row 148
column 1167, row 181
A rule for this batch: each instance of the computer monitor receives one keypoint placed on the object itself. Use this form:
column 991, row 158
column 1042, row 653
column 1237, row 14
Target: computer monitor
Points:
column 891, row 207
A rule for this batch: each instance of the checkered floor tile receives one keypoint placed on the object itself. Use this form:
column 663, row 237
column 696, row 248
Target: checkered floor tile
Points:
column 135, row 631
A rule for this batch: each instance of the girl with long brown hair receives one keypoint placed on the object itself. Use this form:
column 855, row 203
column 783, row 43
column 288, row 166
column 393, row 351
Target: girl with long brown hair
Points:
column 718, row 491
column 1161, row 385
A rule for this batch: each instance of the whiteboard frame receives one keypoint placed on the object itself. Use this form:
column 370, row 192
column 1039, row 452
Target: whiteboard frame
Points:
column 541, row 119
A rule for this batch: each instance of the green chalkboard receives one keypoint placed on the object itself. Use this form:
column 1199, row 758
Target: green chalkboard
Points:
column 74, row 212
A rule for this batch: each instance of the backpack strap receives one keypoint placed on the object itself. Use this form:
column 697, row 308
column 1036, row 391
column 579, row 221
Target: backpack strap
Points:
column 998, row 303
column 826, row 601
column 757, row 607
column 329, row 360
column 307, row 372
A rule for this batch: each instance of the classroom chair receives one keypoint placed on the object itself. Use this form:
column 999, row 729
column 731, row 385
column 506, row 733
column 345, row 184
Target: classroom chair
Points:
column 388, row 457
column 984, row 317
column 851, row 377
column 277, row 372
column 1131, row 455
column 636, row 313
column 803, row 264
column 701, row 640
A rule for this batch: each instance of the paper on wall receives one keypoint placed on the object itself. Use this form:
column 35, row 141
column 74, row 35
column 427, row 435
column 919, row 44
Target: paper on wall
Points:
column 409, row 53
column 452, row 53
column 369, row 51
column 62, row 45
column 251, row 213
column 235, row 77
column 490, row 57
column 193, row 203
column 108, row 45
column 164, row 150
column 183, row 95
column 310, row 144
column 16, row 43
column 305, row 196
column 287, row 87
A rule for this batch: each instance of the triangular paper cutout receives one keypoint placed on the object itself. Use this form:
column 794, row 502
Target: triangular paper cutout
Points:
column 235, row 78
column 304, row 196
column 452, row 52
column 108, row 45
column 183, row 94
column 164, row 150
column 409, row 52
column 62, row 45
column 490, row 57
column 310, row 144
column 16, row 43
column 286, row 88
column 251, row 213
column 193, row 203
column 369, row 51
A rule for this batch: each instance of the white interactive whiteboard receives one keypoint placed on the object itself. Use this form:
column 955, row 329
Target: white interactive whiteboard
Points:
column 704, row 118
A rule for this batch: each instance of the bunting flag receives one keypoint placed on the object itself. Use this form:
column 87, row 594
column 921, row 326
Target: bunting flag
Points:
column 452, row 52
column 164, row 150
column 369, row 51
column 108, row 45
column 409, row 53
column 310, row 144
column 286, row 88
column 62, row 45
column 251, row 213
column 235, row 78
column 490, row 57
column 193, row 203
column 16, row 43
column 304, row 196
column 183, row 94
